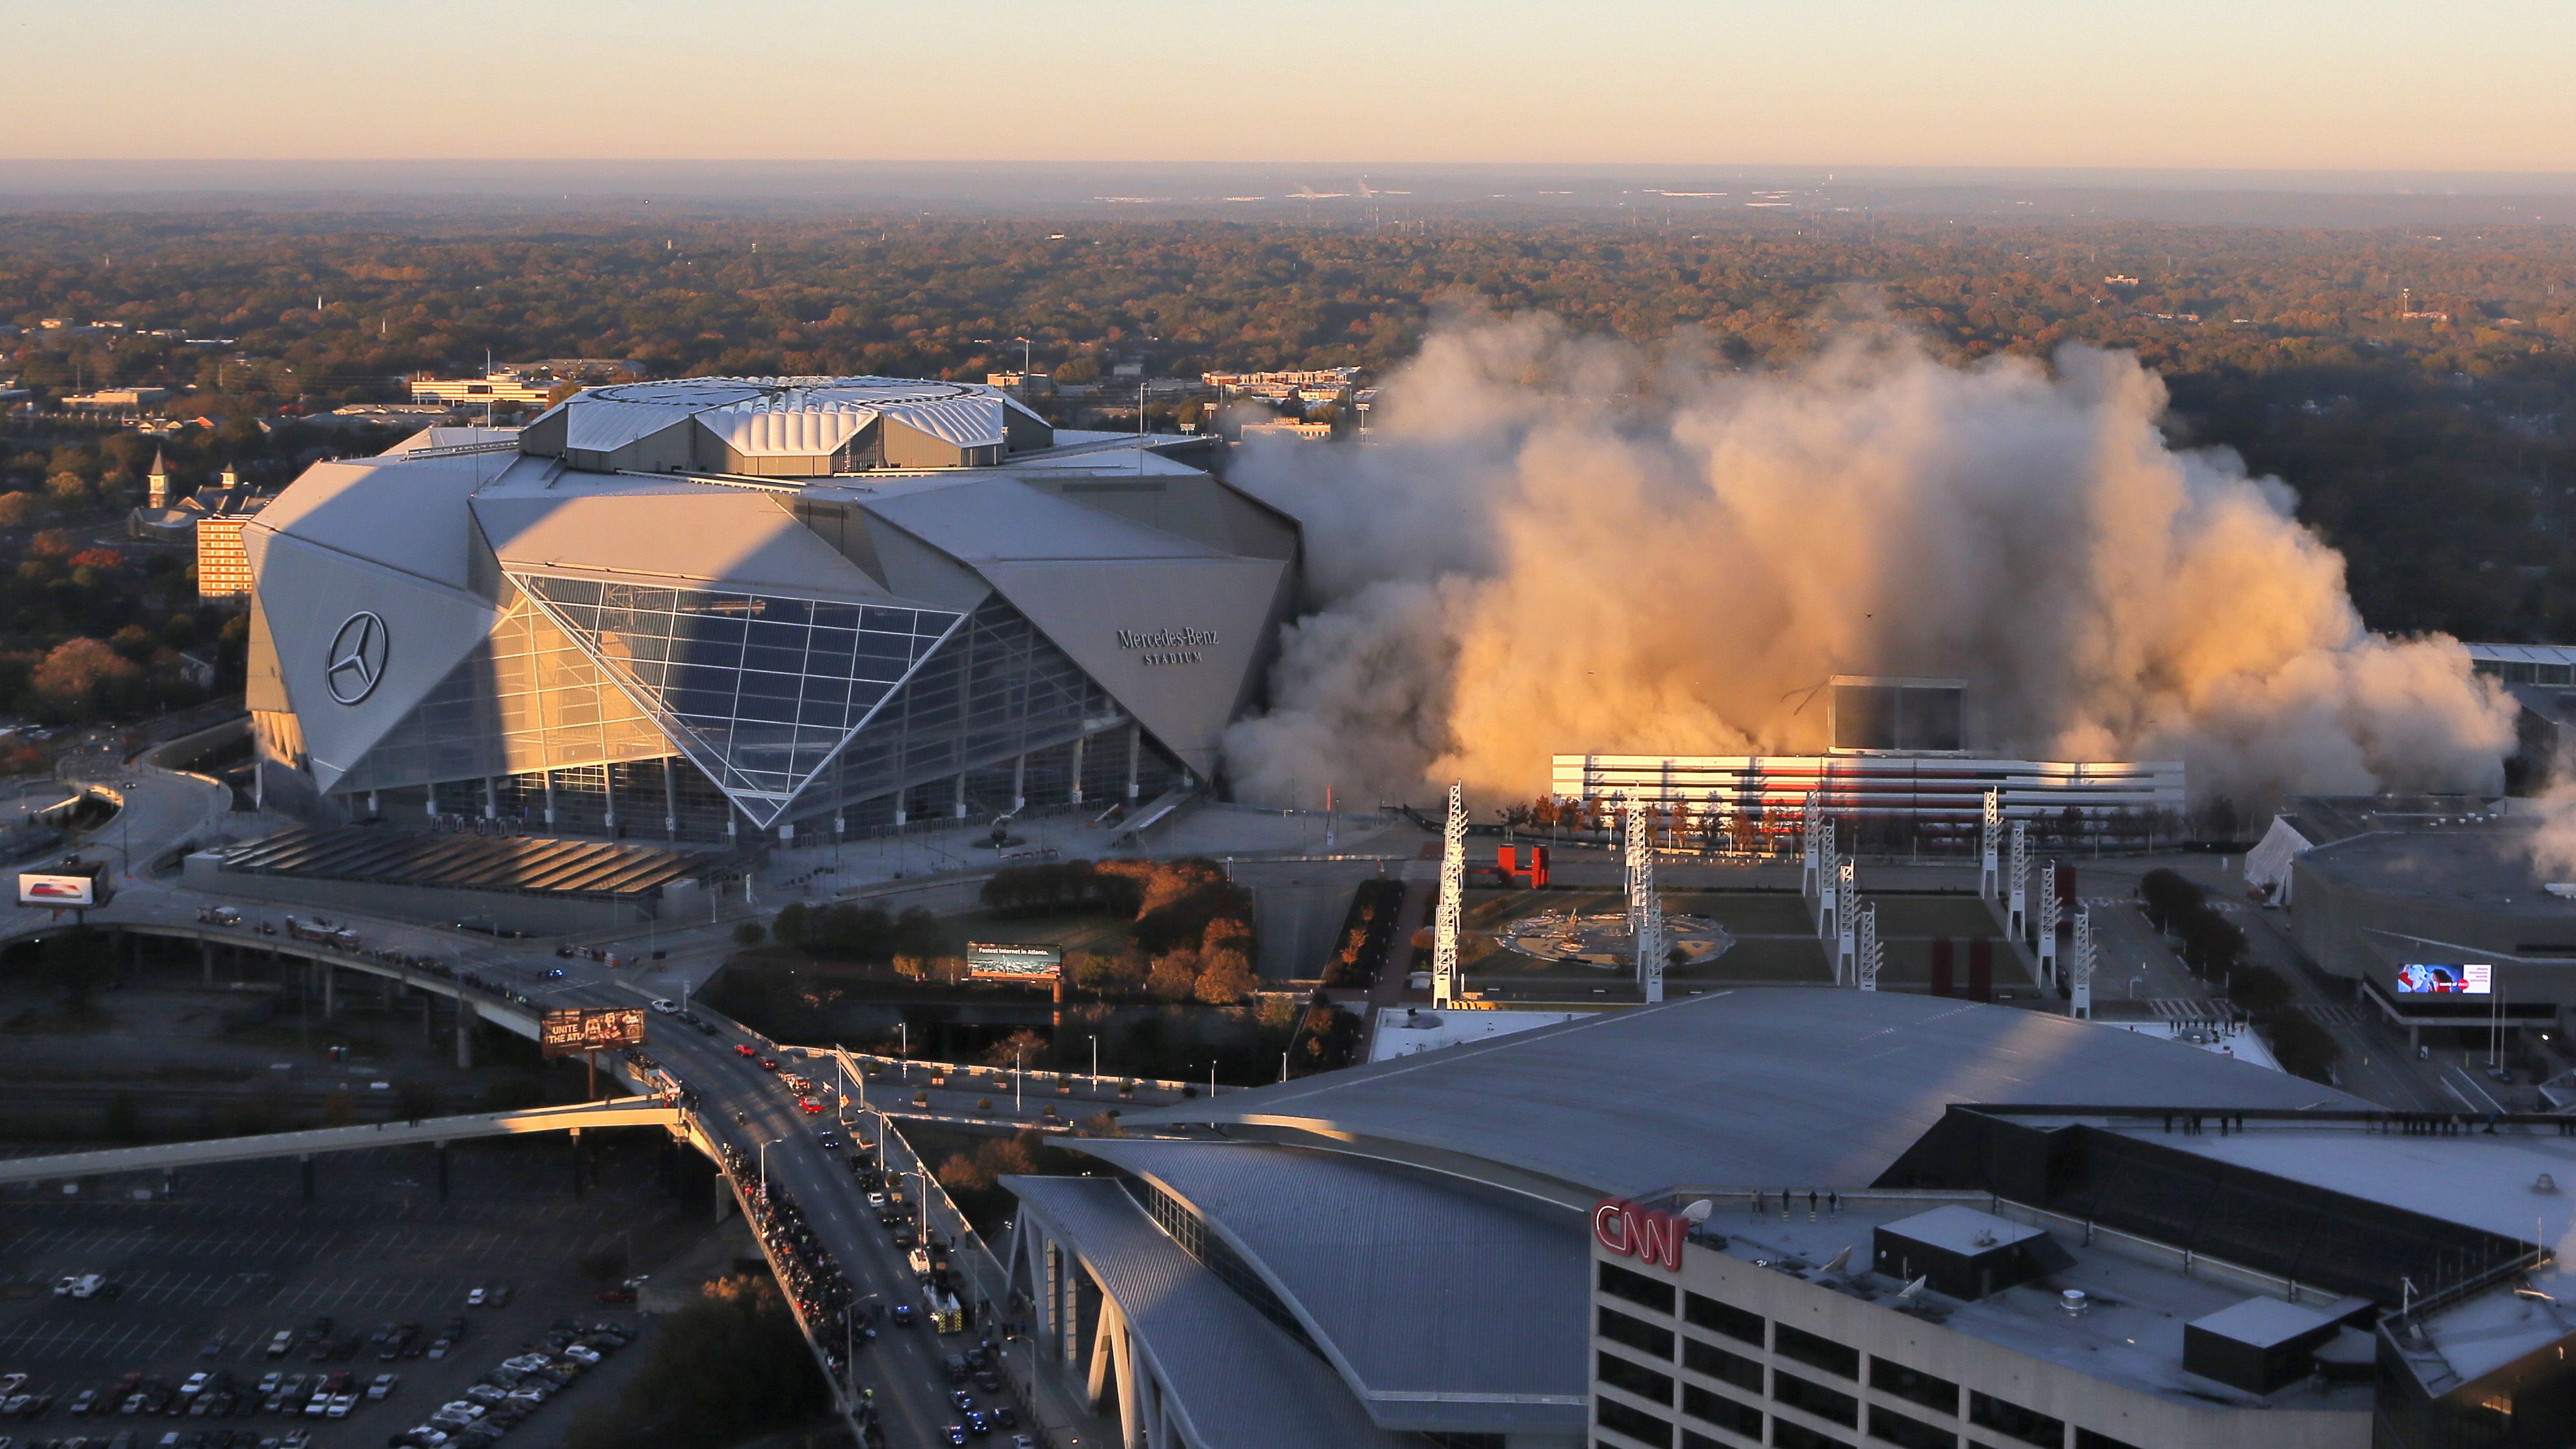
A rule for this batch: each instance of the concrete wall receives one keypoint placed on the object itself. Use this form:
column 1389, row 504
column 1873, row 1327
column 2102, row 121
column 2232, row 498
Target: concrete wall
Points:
column 2329, row 919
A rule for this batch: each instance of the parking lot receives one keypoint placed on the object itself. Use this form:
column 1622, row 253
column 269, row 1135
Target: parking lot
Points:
column 202, row 1280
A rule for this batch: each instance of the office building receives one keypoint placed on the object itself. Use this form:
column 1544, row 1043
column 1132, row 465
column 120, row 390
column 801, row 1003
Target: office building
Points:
column 1817, row 1219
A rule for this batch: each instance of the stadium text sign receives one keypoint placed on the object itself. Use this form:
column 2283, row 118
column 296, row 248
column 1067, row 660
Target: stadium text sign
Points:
column 1169, row 646
column 1012, row 961
column 571, row 1032
column 1624, row 1228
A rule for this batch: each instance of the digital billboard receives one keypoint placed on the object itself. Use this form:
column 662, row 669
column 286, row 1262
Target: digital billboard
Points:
column 2430, row 980
column 46, row 888
column 571, row 1032
column 1013, row 961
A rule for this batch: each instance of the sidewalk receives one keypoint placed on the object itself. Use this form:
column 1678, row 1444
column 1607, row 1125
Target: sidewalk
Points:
column 1060, row 1421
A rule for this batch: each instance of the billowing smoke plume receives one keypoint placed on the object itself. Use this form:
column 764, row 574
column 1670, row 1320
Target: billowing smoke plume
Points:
column 1559, row 544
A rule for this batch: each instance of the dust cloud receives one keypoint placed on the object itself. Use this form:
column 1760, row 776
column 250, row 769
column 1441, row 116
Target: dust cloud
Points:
column 1555, row 543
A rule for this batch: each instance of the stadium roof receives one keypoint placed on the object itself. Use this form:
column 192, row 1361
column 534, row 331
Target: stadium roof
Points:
column 1483, row 1361
column 785, row 416
column 1235, row 1380
column 1772, row 1087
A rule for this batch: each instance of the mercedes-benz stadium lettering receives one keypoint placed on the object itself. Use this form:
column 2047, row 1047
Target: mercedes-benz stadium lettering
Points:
column 688, row 608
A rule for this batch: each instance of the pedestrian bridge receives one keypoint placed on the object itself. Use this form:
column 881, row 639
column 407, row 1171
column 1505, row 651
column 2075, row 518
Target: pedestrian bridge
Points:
column 425, row 1132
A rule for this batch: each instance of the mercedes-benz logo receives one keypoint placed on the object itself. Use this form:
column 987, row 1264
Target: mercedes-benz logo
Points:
column 357, row 658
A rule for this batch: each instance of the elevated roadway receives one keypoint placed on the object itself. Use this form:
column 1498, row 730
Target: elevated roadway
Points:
column 737, row 1103
column 426, row 1131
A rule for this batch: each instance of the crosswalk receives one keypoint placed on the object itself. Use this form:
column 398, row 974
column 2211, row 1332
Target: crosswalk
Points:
column 2187, row 1008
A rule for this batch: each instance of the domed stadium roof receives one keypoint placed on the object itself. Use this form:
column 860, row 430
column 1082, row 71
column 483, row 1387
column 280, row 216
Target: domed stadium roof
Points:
column 785, row 426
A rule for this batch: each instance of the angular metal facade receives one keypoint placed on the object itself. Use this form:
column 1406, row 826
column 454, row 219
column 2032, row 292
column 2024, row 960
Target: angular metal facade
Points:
column 555, row 633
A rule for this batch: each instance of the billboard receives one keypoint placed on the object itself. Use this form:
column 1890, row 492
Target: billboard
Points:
column 1012, row 961
column 568, row 1033
column 48, row 888
column 2426, row 980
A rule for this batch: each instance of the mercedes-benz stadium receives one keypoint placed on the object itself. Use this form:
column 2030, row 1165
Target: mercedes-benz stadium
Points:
column 695, row 608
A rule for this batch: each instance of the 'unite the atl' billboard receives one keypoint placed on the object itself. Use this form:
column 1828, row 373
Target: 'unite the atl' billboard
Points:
column 571, row 1032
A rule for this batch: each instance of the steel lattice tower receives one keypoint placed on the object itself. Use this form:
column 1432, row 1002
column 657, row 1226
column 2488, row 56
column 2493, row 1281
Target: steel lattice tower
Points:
column 1645, row 912
column 1873, row 955
column 1453, row 889
column 1847, row 910
column 2017, row 905
column 2048, row 962
column 1989, row 840
column 2082, row 974
column 1811, row 817
column 1829, row 876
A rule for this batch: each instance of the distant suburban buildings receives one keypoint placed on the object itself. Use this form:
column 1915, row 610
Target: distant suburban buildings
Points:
column 1311, row 432
column 118, row 399
column 501, row 388
column 223, row 569
column 209, row 519
column 1315, row 385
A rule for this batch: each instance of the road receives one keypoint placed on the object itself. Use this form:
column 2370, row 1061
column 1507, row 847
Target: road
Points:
column 2376, row 1065
column 739, row 1103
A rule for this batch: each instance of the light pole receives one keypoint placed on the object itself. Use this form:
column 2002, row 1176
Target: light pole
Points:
column 1095, row 1063
column 1015, row 1081
column 764, row 1169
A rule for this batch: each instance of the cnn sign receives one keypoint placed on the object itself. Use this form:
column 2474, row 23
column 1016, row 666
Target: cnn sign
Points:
column 1624, row 1228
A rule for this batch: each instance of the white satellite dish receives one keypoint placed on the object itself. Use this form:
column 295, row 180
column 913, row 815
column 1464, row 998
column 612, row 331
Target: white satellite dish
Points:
column 1840, row 1261
column 1914, row 1289
column 1698, row 1211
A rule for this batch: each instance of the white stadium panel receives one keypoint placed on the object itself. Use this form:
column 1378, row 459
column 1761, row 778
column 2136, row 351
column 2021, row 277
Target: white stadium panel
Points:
column 358, row 644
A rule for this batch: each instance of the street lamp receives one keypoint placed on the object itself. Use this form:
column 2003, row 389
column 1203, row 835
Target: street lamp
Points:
column 764, row 1169
column 1095, row 1063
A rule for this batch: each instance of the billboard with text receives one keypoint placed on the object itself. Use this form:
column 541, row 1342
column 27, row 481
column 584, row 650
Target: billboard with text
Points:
column 571, row 1032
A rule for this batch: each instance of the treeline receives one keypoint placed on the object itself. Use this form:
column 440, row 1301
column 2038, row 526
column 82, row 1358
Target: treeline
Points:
column 729, row 1366
column 2413, row 389
column 1189, row 928
column 1367, row 930
column 867, row 934
column 2213, row 947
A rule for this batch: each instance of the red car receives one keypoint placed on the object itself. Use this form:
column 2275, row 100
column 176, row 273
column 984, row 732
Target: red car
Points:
column 809, row 1104
column 769, row 1064
column 742, row 1048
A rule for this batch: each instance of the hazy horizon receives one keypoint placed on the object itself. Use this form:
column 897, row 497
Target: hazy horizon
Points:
column 2370, row 86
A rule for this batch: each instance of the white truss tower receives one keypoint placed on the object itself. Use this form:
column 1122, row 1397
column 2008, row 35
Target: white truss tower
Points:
column 2017, row 906
column 1453, row 890
column 1828, row 876
column 1645, row 912
column 1810, row 876
column 1989, row 840
column 1872, row 954
column 2048, row 922
column 1847, row 912
column 2082, row 973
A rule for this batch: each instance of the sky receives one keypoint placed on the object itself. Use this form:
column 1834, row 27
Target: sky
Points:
column 2353, row 85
